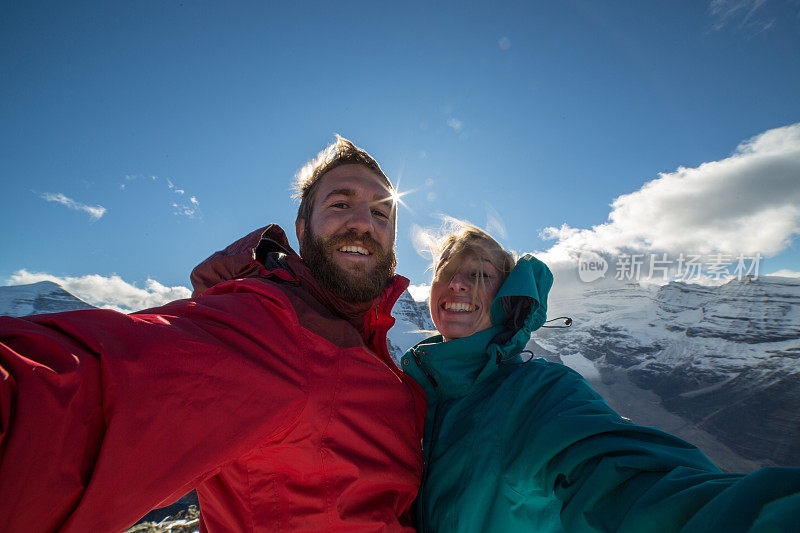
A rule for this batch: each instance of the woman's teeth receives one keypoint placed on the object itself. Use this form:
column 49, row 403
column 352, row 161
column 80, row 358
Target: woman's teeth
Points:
column 459, row 306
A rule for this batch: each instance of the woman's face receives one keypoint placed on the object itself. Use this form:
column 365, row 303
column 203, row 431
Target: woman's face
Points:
column 462, row 294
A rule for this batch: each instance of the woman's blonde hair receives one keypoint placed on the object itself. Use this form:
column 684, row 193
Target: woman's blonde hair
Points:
column 476, row 241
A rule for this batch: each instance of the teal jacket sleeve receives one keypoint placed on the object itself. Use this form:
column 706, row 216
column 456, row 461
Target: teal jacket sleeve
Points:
column 612, row 475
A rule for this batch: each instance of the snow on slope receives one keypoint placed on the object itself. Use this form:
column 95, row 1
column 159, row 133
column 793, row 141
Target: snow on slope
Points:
column 717, row 330
column 38, row 298
column 725, row 360
column 412, row 324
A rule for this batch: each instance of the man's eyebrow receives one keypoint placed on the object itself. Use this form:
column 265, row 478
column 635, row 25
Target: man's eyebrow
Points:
column 340, row 192
column 376, row 199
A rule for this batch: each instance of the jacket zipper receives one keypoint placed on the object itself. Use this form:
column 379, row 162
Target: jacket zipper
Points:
column 431, row 441
column 418, row 360
column 426, row 471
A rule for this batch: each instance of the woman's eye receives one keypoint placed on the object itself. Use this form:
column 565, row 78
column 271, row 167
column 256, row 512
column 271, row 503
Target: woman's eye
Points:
column 339, row 205
column 480, row 275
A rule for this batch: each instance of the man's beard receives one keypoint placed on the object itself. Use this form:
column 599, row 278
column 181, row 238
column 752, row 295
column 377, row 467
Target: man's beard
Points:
column 352, row 286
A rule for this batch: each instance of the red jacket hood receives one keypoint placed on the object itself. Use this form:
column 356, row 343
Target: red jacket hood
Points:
column 236, row 261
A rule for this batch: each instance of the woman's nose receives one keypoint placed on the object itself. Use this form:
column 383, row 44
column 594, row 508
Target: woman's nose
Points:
column 459, row 283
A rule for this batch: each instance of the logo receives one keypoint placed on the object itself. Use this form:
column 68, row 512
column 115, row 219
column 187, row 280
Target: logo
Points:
column 591, row 267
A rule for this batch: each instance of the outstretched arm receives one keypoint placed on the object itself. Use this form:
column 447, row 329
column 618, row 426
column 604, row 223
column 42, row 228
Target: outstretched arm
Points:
column 613, row 475
column 104, row 415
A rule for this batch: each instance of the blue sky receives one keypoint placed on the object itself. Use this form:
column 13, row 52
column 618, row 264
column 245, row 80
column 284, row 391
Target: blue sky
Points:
column 182, row 124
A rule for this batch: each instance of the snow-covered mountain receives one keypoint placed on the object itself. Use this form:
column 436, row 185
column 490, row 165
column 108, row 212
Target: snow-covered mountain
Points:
column 412, row 324
column 719, row 366
column 38, row 298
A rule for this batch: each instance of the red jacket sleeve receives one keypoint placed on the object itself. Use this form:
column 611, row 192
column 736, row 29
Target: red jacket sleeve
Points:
column 104, row 415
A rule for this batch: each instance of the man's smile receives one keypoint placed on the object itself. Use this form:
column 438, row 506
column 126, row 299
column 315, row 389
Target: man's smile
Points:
column 355, row 250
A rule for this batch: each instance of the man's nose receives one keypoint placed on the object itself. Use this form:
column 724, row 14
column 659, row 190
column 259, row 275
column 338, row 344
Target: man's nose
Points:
column 360, row 219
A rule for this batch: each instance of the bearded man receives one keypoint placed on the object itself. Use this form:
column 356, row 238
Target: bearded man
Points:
column 271, row 390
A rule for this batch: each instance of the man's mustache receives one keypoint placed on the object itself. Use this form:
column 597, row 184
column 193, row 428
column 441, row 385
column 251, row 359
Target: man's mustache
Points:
column 352, row 235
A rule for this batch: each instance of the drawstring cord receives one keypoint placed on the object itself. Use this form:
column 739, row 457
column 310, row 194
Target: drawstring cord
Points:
column 508, row 360
column 567, row 322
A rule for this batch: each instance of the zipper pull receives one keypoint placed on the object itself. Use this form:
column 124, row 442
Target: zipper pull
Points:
column 418, row 360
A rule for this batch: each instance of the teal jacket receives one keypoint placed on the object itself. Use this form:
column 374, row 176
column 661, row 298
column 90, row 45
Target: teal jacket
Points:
column 514, row 446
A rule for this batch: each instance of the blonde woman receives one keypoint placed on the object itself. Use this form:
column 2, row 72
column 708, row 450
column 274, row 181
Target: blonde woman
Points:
column 516, row 445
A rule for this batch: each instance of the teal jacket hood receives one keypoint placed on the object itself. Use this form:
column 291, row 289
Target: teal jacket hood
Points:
column 525, row 295
column 519, row 308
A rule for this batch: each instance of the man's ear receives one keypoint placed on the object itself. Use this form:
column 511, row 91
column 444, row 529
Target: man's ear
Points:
column 299, row 228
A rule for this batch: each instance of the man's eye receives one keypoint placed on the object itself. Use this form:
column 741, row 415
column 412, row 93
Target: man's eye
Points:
column 379, row 213
column 340, row 205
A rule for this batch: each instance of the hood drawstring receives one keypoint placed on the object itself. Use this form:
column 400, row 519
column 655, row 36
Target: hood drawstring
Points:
column 567, row 322
column 508, row 360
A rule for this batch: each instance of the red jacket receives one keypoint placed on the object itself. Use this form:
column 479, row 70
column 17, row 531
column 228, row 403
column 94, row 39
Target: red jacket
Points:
column 277, row 401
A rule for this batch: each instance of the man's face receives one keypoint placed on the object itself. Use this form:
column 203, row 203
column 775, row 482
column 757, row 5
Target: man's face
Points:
column 348, row 243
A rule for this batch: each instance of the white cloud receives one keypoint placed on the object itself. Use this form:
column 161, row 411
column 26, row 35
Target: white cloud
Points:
column 747, row 203
column 745, row 14
column 190, row 209
column 108, row 292
column 455, row 124
column 494, row 223
column 786, row 273
column 95, row 211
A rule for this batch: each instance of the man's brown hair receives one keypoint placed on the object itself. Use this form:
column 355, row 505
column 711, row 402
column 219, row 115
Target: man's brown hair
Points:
column 340, row 152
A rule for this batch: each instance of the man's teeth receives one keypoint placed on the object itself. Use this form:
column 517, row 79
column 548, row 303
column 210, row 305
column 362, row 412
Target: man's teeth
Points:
column 354, row 250
column 459, row 306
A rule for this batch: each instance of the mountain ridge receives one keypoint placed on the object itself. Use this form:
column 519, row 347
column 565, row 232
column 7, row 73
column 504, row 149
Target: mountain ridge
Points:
column 38, row 298
column 724, row 359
